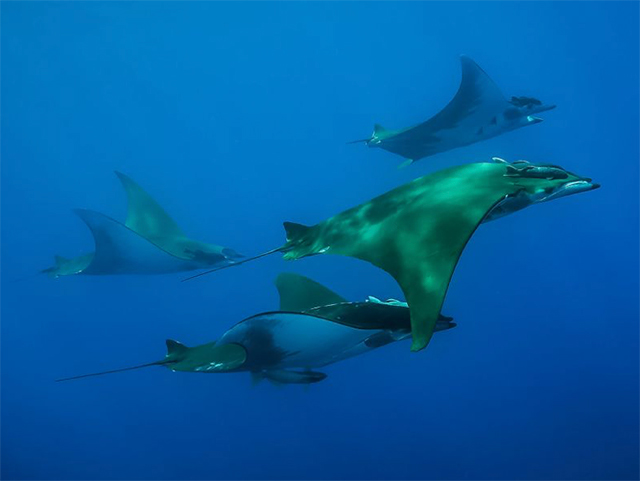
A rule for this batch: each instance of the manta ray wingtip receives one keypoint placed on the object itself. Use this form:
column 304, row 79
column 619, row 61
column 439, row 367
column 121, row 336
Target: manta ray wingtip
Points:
column 418, row 345
column 465, row 59
column 80, row 212
column 124, row 178
column 405, row 164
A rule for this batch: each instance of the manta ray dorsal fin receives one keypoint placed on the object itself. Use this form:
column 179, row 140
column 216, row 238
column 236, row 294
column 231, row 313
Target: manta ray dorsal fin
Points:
column 144, row 215
column 378, row 129
column 299, row 293
column 175, row 347
column 294, row 231
column 60, row 260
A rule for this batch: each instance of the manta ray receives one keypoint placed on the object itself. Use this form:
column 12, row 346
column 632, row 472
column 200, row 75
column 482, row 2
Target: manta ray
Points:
column 314, row 327
column 418, row 231
column 149, row 242
column 477, row 112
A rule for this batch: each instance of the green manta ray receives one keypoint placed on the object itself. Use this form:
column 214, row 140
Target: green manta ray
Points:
column 418, row 231
column 149, row 242
column 314, row 327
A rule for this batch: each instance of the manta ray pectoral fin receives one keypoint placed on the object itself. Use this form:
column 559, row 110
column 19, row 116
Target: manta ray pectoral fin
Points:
column 299, row 293
column 405, row 164
column 416, row 233
column 120, row 250
column 294, row 377
column 425, row 279
column 145, row 216
column 476, row 86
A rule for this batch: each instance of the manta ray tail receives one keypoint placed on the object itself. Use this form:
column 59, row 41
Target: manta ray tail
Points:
column 359, row 141
column 175, row 352
column 234, row 264
column 294, row 232
column 157, row 363
column 48, row 271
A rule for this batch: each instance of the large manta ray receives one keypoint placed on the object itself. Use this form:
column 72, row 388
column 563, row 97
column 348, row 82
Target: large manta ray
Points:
column 149, row 242
column 418, row 231
column 478, row 112
column 314, row 327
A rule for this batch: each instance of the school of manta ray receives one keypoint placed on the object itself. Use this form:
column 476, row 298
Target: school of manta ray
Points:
column 415, row 232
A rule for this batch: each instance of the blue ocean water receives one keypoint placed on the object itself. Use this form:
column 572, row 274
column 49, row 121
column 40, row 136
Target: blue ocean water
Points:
column 235, row 117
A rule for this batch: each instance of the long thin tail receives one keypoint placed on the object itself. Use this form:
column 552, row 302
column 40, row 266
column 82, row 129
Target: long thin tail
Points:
column 157, row 363
column 32, row 276
column 359, row 141
column 234, row 264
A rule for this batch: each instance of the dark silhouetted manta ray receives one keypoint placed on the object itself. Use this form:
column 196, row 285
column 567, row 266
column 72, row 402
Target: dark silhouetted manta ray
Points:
column 477, row 112
column 314, row 327
column 149, row 242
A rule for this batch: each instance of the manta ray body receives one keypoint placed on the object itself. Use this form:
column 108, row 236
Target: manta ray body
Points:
column 477, row 112
column 314, row 327
column 149, row 242
column 418, row 231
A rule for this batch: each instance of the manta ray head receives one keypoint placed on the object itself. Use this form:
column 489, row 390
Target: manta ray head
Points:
column 554, row 182
column 524, row 109
column 209, row 255
column 530, row 105
column 569, row 188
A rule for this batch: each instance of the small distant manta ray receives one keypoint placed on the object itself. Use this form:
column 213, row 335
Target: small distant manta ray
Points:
column 418, row 231
column 477, row 112
column 149, row 242
column 313, row 328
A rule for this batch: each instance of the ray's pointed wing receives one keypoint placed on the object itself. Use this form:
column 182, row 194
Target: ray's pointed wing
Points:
column 299, row 293
column 145, row 216
column 120, row 250
column 416, row 233
column 477, row 102
column 478, row 96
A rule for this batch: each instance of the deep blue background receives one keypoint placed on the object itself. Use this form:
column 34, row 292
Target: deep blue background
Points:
column 235, row 117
